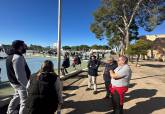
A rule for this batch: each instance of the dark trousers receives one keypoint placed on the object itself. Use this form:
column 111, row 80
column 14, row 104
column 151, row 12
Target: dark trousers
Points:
column 118, row 109
column 107, row 83
column 63, row 71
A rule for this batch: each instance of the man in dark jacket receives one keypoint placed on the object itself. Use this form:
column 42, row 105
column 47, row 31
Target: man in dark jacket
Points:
column 93, row 65
column 18, row 74
column 110, row 64
column 65, row 64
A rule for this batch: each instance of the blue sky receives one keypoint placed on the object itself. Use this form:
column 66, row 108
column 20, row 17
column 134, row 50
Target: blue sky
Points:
column 35, row 22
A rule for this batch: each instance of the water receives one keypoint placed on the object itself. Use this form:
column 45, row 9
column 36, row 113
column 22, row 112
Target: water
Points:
column 33, row 63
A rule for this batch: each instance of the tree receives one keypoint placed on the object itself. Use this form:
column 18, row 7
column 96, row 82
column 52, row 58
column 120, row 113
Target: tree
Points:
column 84, row 47
column 35, row 47
column 95, row 47
column 75, row 48
column 141, row 47
column 115, row 17
column 66, row 48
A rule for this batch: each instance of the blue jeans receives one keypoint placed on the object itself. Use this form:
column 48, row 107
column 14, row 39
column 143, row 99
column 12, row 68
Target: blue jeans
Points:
column 19, row 98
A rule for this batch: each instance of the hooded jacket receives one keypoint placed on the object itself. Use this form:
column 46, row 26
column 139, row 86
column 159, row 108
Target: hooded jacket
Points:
column 18, row 71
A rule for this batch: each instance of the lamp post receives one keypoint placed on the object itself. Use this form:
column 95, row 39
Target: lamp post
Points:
column 59, row 36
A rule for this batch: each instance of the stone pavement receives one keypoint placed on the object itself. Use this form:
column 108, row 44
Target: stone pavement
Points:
column 146, row 94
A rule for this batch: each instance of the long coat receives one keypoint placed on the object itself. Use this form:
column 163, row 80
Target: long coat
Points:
column 93, row 67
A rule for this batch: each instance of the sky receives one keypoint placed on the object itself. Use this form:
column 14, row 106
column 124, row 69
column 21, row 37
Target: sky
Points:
column 35, row 22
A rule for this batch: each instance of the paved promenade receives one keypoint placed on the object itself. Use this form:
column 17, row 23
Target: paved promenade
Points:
column 145, row 96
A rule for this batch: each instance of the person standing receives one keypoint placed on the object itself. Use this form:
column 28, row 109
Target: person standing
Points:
column 93, row 65
column 110, row 64
column 65, row 64
column 74, row 62
column 44, row 91
column 120, row 82
column 18, row 74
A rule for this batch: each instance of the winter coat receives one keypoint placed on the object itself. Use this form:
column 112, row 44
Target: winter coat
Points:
column 93, row 67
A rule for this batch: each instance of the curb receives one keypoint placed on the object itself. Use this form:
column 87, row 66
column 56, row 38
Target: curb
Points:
column 5, row 101
column 71, row 74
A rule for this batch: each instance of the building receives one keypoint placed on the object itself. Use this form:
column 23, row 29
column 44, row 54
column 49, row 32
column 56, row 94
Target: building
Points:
column 158, row 48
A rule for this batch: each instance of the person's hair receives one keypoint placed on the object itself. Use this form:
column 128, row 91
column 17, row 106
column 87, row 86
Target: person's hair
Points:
column 124, row 58
column 17, row 44
column 47, row 67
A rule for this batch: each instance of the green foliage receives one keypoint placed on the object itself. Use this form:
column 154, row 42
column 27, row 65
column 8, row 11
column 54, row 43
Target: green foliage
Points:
column 66, row 48
column 37, row 48
column 84, row 47
column 119, row 20
column 104, row 47
column 140, row 47
column 80, row 48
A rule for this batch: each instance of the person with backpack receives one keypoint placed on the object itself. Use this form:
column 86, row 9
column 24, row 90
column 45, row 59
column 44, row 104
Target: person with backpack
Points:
column 44, row 91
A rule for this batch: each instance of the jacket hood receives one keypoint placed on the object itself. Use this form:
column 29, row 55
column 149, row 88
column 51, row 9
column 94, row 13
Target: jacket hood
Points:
column 11, row 51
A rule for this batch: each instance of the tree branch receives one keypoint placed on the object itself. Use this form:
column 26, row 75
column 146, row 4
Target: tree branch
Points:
column 134, row 11
column 120, row 29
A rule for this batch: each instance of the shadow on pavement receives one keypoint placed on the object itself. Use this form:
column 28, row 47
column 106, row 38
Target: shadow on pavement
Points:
column 148, row 77
column 83, row 107
column 66, row 95
column 70, row 88
column 132, row 85
column 87, row 85
column 154, row 65
column 148, row 106
column 140, row 93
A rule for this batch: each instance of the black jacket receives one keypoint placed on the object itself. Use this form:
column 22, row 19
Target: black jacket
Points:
column 42, row 95
column 66, row 63
column 108, row 67
column 93, row 67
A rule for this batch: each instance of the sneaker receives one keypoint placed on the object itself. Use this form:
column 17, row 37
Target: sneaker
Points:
column 87, row 89
column 95, row 92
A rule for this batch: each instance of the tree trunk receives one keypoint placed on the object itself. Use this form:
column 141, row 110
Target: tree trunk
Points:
column 137, row 60
column 127, row 38
column 152, row 54
column 123, row 46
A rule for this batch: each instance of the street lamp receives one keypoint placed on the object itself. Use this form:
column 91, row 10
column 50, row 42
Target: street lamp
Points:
column 59, row 36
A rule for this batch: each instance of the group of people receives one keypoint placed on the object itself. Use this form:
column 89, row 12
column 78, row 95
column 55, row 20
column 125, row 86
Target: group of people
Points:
column 39, row 93
column 116, row 75
column 66, row 63
column 33, row 92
